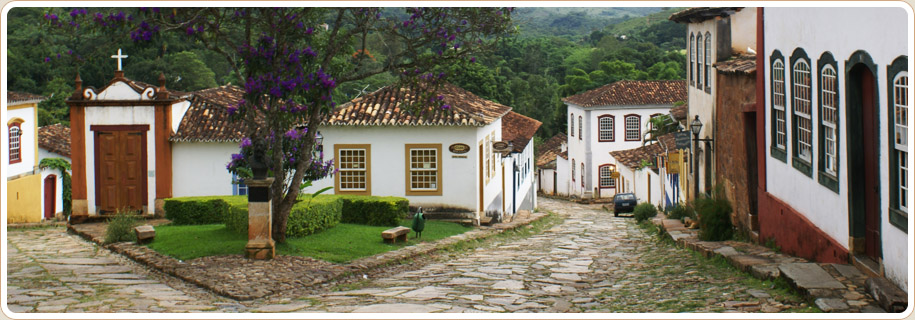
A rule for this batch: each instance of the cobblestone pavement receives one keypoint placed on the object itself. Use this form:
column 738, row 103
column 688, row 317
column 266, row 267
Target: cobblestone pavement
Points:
column 591, row 262
column 52, row 271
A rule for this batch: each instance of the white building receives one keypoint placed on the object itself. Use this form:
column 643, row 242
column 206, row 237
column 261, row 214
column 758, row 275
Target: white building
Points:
column 610, row 118
column 549, row 155
column 20, row 150
column 713, row 34
column 836, row 128
column 53, row 142
column 135, row 145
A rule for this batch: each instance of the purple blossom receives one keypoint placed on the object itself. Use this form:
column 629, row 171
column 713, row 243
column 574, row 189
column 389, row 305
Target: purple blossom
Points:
column 237, row 157
column 47, row 59
column 473, row 59
column 446, row 106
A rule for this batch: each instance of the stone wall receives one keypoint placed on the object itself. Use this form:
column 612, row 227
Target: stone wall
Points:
column 735, row 146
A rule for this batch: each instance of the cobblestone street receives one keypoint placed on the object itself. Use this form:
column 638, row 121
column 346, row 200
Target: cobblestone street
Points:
column 591, row 262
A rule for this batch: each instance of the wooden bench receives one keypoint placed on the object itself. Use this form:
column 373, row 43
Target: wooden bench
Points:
column 394, row 234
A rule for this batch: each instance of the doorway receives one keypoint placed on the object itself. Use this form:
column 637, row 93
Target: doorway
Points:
column 50, row 196
column 120, row 170
column 863, row 158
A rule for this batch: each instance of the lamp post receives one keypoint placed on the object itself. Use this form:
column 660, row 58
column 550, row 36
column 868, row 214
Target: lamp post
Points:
column 319, row 141
column 695, row 126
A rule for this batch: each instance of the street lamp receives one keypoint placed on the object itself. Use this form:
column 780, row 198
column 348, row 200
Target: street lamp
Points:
column 695, row 126
column 319, row 141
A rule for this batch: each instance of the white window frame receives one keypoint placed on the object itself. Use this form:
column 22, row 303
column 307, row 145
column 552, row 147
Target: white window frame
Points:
column 606, row 177
column 778, row 104
column 708, row 59
column 699, row 52
column 828, row 83
column 900, row 136
column 692, row 59
column 801, row 104
column 15, row 134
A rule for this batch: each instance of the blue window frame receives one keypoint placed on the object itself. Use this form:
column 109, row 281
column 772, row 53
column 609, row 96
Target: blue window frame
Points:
column 238, row 186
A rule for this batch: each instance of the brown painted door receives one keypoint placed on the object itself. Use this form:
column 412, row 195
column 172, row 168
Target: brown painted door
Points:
column 50, row 196
column 121, row 171
column 871, row 211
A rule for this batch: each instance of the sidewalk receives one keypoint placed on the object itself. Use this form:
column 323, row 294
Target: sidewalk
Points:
column 831, row 287
column 243, row 279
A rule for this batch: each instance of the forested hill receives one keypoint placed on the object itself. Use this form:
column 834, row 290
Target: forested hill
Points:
column 556, row 52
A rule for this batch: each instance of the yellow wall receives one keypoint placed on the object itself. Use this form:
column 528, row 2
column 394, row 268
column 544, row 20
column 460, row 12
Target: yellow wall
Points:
column 24, row 199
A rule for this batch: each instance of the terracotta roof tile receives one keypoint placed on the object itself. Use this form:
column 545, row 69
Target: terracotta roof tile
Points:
column 548, row 150
column 745, row 63
column 699, row 14
column 13, row 96
column 384, row 108
column 207, row 120
column 518, row 129
column 55, row 138
column 679, row 112
column 633, row 157
column 632, row 92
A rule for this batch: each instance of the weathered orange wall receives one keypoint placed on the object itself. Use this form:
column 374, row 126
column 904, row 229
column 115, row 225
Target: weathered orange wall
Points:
column 24, row 199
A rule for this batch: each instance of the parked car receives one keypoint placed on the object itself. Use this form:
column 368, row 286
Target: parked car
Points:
column 623, row 203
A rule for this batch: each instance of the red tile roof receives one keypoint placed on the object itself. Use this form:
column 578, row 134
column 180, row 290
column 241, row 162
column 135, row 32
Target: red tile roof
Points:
column 518, row 129
column 384, row 108
column 207, row 119
column 633, row 157
column 55, row 138
column 745, row 64
column 632, row 92
column 699, row 14
column 548, row 150
column 679, row 112
column 13, row 97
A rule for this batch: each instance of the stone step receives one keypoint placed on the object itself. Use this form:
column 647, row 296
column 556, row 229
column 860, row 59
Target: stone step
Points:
column 890, row 298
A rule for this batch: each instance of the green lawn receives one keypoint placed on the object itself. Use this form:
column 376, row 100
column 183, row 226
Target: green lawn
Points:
column 343, row 243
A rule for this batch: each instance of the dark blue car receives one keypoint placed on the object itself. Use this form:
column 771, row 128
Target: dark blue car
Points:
column 623, row 202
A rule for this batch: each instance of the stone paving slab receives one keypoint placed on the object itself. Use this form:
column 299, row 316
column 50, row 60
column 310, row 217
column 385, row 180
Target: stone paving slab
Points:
column 806, row 276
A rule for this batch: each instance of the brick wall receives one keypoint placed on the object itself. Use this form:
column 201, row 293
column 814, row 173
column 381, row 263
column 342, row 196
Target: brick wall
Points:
column 735, row 146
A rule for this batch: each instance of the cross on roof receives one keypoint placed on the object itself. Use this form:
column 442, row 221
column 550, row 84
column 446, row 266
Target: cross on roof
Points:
column 119, row 56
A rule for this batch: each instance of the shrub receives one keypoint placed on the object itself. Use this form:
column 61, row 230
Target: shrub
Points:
column 680, row 211
column 644, row 211
column 714, row 216
column 374, row 211
column 120, row 228
column 200, row 210
column 236, row 219
column 309, row 217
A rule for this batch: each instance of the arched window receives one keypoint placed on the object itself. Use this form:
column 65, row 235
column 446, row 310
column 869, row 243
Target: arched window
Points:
column 633, row 127
column 582, row 174
column 15, row 132
column 898, row 86
column 573, row 169
column 708, row 60
column 779, row 131
column 692, row 58
column 606, row 179
column 699, row 61
column 802, row 124
column 828, row 149
column 572, row 124
column 605, row 128
column 579, row 128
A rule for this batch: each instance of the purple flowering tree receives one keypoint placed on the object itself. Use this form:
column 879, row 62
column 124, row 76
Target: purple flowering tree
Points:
column 290, row 60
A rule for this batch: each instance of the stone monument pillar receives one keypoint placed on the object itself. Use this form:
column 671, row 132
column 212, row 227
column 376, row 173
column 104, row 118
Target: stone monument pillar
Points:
column 260, row 240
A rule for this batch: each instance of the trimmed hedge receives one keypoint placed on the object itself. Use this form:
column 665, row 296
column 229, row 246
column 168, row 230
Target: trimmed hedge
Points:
column 198, row 210
column 374, row 211
column 308, row 216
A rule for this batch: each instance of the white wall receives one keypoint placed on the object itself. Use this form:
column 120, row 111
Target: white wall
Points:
column 525, row 176
column 702, row 103
column 562, row 176
column 596, row 153
column 545, row 178
column 28, row 141
column 199, row 169
column 121, row 116
column 743, row 30
column 59, row 182
column 817, row 30
column 178, row 111
column 459, row 175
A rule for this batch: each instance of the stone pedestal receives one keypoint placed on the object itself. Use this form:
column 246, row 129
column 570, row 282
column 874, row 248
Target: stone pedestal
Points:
column 260, row 220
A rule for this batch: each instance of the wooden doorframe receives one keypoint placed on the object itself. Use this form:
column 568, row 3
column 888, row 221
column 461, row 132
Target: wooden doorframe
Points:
column 50, row 196
column 857, row 204
column 141, row 128
column 480, row 169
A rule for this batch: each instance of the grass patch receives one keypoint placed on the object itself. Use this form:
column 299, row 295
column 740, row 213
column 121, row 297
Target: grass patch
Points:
column 343, row 243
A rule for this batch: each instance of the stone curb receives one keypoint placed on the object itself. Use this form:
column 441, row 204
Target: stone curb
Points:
column 35, row 224
column 179, row 269
column 804, row 277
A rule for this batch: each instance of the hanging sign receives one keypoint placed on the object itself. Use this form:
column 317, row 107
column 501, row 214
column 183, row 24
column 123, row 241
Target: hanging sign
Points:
column 682, row 139
column 673, row 162
column 459, row 148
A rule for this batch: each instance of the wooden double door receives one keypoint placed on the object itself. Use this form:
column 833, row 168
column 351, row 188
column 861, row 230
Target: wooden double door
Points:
column 120, row 168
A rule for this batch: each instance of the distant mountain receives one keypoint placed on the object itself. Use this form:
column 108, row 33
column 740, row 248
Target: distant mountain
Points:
column 574, row 23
